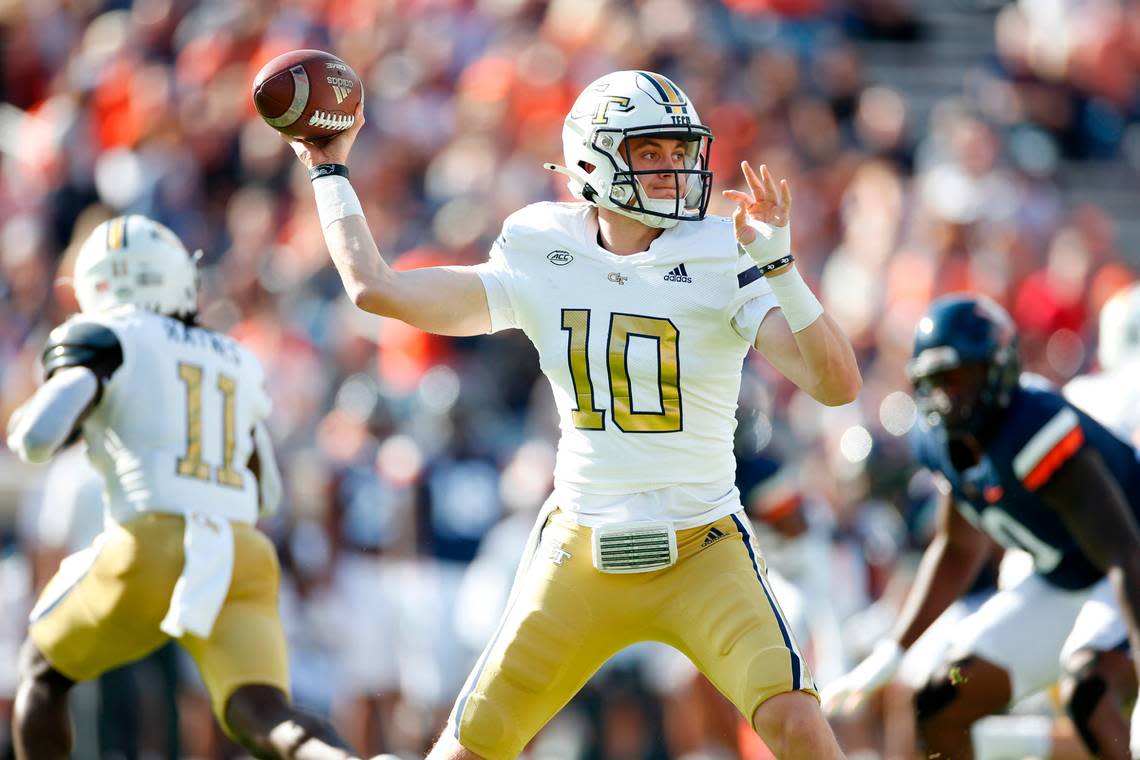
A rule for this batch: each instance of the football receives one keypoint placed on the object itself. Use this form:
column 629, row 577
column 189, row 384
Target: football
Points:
column 309, row 94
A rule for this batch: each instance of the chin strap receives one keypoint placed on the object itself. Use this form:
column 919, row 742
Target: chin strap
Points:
column 588, row 192
column 565, row 170
column 648, row 220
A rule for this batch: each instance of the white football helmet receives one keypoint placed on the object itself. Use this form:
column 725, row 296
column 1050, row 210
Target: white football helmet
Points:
column 135, row 260
column 1119, row 340
column 595, row 135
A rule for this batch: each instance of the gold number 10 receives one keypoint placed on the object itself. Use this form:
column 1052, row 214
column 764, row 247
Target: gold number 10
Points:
column 622, row 326
column 191, row 465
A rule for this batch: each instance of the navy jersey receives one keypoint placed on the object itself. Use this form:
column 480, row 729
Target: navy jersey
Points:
column 999, row 494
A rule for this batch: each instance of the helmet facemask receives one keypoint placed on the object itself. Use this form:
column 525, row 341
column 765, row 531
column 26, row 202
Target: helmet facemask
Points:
column 965, row 397
column 692, row 184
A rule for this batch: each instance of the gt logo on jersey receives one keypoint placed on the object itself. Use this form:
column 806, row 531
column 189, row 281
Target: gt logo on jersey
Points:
column 617, row 278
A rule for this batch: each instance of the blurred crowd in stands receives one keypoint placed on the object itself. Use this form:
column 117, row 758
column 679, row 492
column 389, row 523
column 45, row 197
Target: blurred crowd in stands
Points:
column 414, row 464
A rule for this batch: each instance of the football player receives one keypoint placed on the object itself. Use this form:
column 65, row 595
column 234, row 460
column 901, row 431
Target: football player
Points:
column 173, row 417
column 642, row 309
column 1020, row 465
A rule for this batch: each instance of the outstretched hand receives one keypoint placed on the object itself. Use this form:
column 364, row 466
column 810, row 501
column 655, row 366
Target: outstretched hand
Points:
column 847, row 693
column 334, row 150
column 763, row 203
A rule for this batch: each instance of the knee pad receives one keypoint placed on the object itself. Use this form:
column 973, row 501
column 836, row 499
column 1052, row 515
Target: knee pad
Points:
column 933, row 697
column 940, row 690
column 1089, row 690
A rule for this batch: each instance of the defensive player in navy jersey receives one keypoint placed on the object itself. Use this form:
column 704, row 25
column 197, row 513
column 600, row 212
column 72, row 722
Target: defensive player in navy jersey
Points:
column 1020, row 465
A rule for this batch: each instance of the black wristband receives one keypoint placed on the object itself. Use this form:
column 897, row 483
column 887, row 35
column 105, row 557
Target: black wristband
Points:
column 777, row 264
column 327, row 170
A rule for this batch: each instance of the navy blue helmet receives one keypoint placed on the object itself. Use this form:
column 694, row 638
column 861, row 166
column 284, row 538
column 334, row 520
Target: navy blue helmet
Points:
column 965, row 365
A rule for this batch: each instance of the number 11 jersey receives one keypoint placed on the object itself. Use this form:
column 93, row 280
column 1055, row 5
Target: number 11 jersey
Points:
column 172, row 429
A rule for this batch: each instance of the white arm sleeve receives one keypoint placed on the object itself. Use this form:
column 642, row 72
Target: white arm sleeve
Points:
column 44, row 422
column 269, row 477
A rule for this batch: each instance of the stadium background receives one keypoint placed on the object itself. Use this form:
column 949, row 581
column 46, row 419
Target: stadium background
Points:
column 932, row 146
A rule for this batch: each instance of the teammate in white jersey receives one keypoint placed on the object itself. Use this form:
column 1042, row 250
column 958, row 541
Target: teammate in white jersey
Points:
column 173, row 417
column 1112, row 396
column 642, row 310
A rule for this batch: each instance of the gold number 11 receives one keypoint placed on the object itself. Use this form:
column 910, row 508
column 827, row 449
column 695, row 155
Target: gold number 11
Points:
column 191, row 465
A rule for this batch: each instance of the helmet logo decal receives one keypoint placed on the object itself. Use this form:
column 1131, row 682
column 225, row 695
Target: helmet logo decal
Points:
column 618, row 103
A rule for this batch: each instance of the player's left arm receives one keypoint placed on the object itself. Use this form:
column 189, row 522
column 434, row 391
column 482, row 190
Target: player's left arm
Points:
column 818, row 359
column 1087, row 497
column 43, row 423
column 807, row 346
column 79, row 358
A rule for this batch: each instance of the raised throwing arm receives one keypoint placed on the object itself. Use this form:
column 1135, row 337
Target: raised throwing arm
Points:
column 443, row 300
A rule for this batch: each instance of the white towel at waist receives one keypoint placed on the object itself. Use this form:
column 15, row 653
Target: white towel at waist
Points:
column 208, row 546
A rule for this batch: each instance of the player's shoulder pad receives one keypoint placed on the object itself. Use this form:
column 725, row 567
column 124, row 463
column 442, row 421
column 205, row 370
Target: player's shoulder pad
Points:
column 540, row 219
column 1036, row 400
column 83, row 343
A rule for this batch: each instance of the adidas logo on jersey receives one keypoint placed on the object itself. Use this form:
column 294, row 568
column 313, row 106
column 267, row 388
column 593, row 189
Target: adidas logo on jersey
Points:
column 678, row 274
column 715, row 534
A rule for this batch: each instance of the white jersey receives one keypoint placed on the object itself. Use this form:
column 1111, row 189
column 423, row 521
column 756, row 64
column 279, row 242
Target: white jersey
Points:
column 172, row 431
column 644, row 354
column 1111, row 398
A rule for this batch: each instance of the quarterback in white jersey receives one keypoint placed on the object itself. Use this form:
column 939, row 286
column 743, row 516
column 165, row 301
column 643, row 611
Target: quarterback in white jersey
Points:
column 173, row 418
column 667, row 365
column 642, row 310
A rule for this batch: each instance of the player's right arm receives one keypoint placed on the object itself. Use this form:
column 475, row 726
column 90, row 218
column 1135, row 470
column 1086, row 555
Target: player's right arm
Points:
column 949, row 565
column 79, row 358
column 443, row 300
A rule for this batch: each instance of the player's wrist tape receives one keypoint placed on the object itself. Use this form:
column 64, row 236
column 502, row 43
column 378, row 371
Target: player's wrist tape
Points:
column 771, row 243
column 325, row 170
column 799, row 304
column 776, row 264
column 335, row 199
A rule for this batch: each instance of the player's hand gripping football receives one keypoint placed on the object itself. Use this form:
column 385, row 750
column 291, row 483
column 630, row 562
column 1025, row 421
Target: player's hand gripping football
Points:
column 845, row 694
column 763, row 215
column 334, row 150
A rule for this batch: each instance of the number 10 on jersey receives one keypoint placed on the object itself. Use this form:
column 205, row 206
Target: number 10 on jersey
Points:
column 586, row 415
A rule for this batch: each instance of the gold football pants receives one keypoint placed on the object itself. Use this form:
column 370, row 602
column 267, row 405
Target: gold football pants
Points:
column 90, row 622
column 565, row 619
